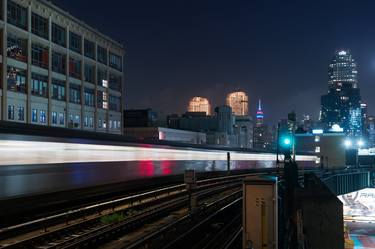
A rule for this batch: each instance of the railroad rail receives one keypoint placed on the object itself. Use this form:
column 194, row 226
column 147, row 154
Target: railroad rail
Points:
column 88, row 217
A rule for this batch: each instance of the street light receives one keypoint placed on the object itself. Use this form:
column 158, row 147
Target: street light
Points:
column 360, row 143
column 348, row 143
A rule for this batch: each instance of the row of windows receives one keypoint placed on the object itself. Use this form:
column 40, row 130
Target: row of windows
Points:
column 20, row 113
column 17, row 49
column 18, row 16
column 16, row 79
column 39, row 116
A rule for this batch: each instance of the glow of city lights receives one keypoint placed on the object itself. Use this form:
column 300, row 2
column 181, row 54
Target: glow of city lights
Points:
column 347, row 143
column 360, row 143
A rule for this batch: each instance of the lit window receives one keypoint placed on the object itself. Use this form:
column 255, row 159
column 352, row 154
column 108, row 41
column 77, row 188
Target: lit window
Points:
column 34, row 115
column 317, row 149
column 317, row 139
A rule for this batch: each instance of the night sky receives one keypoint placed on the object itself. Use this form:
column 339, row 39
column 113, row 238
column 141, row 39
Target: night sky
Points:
column 278, row 51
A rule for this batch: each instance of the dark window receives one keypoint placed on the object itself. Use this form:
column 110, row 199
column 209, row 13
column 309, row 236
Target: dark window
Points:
column 58, row 62
column 16, row 79
column 58, row 89
column 10, row 112
column 102, row 77
column 39, row 26
column 89, row 73
column 99, row 99
column 21, row 113
column 17, row 48
column 39, row 55
column 115, row 103
column 115, row 82
column 74, row 68
column 115, row 61
column 75, row 42
column 58, row 35
column 39, row 85
column 75, row 93
column 89, row 49
column 102, row 55
column 54, row 117
column 17, row 15
column 89, row 95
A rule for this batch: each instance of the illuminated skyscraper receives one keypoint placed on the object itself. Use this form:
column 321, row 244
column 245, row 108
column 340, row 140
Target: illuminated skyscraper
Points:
column 342, row 104
column 199, row 104
column 239, row 102
column 262, row 134
column 259, row 115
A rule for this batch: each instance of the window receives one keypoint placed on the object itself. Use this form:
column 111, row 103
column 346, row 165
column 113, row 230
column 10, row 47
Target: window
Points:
column 74, row 68
column 34, row 115
column 21, row 113
column 39, row 85
column 75, row 42
column 317, row 138
column 102, row 77
column 86, row 121
column 16, row 48
column 100, row 123
column 54, row 117
column 99, row 99
column 58, row 90
column 58, row 35
column 39, row 55
column 42, row 117
column 317, row 149
column 114, row 103
column 115, row 61
column 115, row 82
column 17, row 15
column 39, row 25
column 59, row 63
column 16, row 79
column 105, row 100
column 77, row 121
column 102, row 55
column 91, row 122
column 89, row 49
column 89, row 73
column 104, row 124
column 10, row 112
column 61, row 118
column 89, row 96
column 75, row 93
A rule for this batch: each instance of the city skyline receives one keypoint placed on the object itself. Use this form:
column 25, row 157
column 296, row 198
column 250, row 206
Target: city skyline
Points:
column 188, row 38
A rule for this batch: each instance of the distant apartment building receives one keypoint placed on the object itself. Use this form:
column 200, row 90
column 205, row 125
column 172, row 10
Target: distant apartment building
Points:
column 199, row 104
column 57, row 70
column 239, row 102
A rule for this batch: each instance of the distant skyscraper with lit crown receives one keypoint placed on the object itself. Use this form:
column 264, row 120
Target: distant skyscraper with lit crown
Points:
column 342, row 104
column 239, row 102
column 199, row 104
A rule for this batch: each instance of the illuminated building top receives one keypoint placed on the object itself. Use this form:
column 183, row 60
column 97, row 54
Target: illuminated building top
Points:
column 239, row 102
column 199, row 104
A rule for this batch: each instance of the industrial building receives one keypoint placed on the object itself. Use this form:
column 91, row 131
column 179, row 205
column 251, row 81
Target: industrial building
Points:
column 224, row 128
column 57, row 70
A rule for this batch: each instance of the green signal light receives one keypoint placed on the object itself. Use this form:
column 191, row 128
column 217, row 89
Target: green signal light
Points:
column 287, row 141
